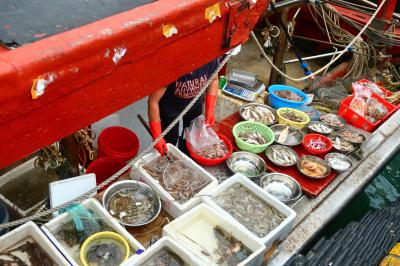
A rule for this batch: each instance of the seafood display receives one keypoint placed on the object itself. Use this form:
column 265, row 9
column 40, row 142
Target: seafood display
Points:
column 338, row 162
column 214, row 151
column 313, row 168
column 71, row 238
column 320, row 127
column 133, row 206
column 190, row 182
column 281, row 155
column 289, row 95
column 248, row 209
column 352, row 136
column 105, row 253
column 333, row 120
column 281, row 186
column 26, row 254
column 292, row 116
column 166, row 257
column 317, row 144
column 254, row 138
column 258, row 113
column 288, row 136
column 230, row 251
column 370, row 108
column 342, row 145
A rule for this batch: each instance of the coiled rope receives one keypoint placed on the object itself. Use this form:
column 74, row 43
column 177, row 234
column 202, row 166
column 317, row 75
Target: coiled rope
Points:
column 130, row 164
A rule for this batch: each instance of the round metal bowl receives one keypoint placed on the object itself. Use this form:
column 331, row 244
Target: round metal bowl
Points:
column 355, row 143
column 269, row 151
column 314, row 159
column 131, row 184
column 249, row 164
column 339, row 148
column 281, row 186
column 327, row 118
column 261, row 105
column 295, row 136
column 342, row 157
column 312, row 124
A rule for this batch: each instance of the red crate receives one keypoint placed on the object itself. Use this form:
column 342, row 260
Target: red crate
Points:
column 360, row 121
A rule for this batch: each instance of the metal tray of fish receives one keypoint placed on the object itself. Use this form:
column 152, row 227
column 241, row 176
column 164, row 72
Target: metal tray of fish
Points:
column 261, row 226
column 166, row 251
column 27, row 245
column 172, row 206
column 215, row 238
column 258, row 113
column 281, row 155
column 320, row 127
column 67, row 241
column 287, row 135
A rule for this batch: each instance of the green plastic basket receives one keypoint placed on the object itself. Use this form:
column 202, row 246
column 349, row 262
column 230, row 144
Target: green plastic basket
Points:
column 248, row 126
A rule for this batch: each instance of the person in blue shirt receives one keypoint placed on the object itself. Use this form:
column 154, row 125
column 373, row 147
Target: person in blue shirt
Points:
column 165, row 104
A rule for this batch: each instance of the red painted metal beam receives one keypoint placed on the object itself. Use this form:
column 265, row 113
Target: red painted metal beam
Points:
column 85, row 84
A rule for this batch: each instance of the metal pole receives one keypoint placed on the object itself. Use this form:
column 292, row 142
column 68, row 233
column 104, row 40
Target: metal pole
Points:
column 311, row 57
column 280, row 52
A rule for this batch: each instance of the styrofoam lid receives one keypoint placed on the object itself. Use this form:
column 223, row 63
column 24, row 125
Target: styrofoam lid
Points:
column 65, row 190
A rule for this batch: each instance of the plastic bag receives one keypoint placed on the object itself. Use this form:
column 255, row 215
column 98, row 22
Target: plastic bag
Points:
column 84, row 221
column 366, row 85
column 375, row 110
column 200, row 135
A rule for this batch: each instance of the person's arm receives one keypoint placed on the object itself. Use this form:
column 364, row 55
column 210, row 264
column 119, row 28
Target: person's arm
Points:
column 155, row 120
column 153, row 107
column 211, row 99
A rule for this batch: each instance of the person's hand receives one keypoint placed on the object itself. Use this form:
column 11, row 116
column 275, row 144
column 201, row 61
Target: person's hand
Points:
column 155, row 128
column 210, row 106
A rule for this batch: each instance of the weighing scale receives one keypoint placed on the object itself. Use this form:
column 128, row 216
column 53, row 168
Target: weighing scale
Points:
column 243, row 85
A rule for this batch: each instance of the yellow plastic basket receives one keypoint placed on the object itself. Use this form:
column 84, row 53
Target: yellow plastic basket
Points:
column 285, row 121
column 103, row 235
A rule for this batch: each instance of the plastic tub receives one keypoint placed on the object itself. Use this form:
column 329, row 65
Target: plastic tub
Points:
column 249, row 127
column 279, row 232
column 165, row 243
column 279, row 102
column 211, row 162
column 30, row 231
column 360, row 121
column 4, row 217
column 118, row 142
column 309, row 137
column 172, row 207
column 72, row 254
column 105, row 167
column 199, row 223
column 284, row 121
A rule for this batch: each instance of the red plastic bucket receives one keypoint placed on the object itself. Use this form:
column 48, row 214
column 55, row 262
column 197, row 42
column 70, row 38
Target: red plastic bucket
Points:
column 118, row 142
column 104, row 168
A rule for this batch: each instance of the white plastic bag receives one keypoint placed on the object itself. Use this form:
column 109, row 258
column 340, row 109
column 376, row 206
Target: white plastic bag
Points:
column 200, row 135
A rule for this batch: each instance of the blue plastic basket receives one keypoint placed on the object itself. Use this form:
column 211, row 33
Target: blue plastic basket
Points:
column 279, row 102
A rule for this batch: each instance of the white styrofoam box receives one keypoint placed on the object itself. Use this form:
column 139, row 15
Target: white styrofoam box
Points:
column 278, row 233
column 51, row 227
column 30, row 231
column 200, row 222
column 13, row 174
column 172, row 207
column 165, row 242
